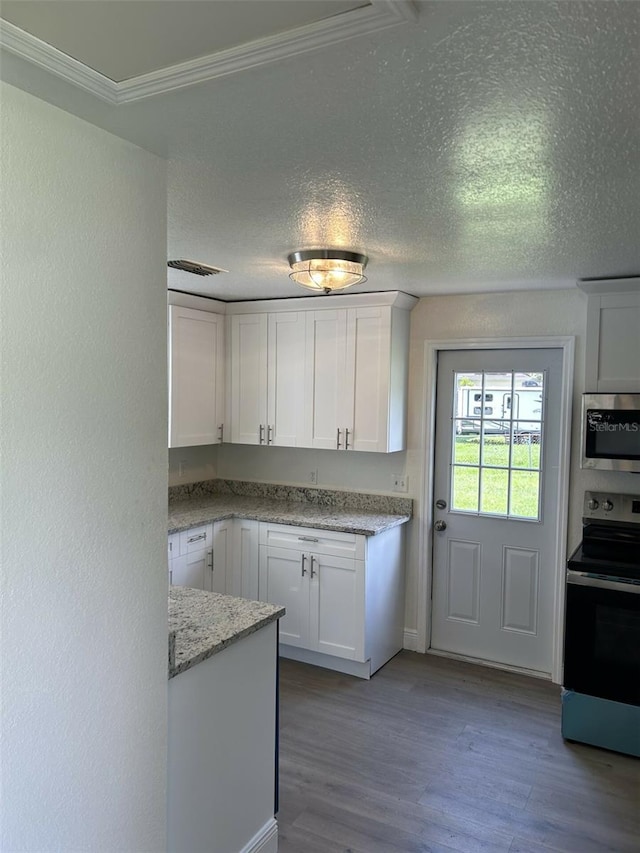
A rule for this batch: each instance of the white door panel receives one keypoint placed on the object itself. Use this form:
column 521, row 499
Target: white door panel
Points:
column 496, row 464
column 285, row 384
column 284, row 580
column 248, row 378
column 325, row 366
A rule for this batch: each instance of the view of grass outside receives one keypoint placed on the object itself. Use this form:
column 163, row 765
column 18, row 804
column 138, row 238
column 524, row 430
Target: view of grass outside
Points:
column 495, row 481
column 497, row 429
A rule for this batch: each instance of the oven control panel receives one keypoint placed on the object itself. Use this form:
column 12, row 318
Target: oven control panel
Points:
column 612, row 507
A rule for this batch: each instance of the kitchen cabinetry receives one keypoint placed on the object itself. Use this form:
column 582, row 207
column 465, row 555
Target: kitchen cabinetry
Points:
column 343, row 594
column 242, row 580
column 199, row 557
column 267, row 376
column 196, row 377
column 613, row 338
column 356, row 378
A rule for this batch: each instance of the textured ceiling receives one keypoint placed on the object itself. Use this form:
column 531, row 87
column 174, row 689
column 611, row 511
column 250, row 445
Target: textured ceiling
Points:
column 490, row 146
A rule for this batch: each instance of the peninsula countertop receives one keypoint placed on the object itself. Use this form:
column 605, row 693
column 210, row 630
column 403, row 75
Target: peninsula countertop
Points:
column 192, row 511
column 201, row 624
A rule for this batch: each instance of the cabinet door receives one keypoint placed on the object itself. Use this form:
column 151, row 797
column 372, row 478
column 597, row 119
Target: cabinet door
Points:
column 285, row 379
column 337, row 602
column 324, row 378
column 243, row 578
column 190, row 569
column 220, row 562
column 248, row 378
column 196, row 376
column 367, row 382
column 613, row 343
column 282, row 582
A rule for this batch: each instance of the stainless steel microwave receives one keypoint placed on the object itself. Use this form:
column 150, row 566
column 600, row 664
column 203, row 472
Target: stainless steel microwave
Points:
column 611, row 432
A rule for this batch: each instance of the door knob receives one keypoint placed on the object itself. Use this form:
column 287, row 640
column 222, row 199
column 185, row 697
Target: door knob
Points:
column 440, row 526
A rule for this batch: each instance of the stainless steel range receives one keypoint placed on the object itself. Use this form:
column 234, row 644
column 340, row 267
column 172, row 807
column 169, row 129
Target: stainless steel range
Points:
column 601, row 694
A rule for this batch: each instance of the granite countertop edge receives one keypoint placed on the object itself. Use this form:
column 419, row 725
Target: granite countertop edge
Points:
column 192, row 512
column 212, row 623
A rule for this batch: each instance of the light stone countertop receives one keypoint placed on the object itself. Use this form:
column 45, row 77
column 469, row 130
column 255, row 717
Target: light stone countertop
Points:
column 192, row 511
column 201, row 624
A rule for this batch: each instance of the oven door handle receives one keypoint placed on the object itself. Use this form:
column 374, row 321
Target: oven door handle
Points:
column 587, row 579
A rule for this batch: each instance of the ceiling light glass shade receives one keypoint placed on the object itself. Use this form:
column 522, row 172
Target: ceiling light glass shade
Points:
column 327, row 269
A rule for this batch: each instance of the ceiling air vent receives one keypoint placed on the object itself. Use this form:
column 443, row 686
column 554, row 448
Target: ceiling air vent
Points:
column 195, row 267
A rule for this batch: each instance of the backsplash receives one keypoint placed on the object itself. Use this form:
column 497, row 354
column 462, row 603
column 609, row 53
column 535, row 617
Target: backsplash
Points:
column 321, row 497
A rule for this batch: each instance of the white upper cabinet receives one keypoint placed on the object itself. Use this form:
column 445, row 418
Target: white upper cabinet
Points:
column 248, row 378
column 326, row 353
column 613, row 340
column 196, row 377
column 267, row 378
column 356, row 378
column 321, row 372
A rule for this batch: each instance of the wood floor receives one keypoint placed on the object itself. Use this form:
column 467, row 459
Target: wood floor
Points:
column 437, row 755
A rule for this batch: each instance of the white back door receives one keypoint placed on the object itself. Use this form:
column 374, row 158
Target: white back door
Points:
column 496, row 514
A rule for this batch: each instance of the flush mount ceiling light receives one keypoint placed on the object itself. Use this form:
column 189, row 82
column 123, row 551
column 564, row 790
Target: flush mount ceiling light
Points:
column 327, row 269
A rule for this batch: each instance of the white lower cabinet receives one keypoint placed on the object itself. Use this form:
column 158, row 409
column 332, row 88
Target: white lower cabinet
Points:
column 242, row 578
column 216, row 579
column 191, row 555
column 343, row 594
column 218, row 557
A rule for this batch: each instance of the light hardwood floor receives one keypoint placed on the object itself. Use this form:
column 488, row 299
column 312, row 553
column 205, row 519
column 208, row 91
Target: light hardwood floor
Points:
column 438, row 755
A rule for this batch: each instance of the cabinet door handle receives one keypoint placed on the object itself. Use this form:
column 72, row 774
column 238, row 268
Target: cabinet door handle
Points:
column 210, row 559
column 303, row 558
column 346, row 439
column 312, row 562
column 338, row 440
column 269, row 434
column 221, row 433
column 308, row 539
column 196, row 538
column 261, row 434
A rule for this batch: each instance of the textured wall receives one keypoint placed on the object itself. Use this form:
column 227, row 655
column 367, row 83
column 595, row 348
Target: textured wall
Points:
column 83, row 522
column 531, row 313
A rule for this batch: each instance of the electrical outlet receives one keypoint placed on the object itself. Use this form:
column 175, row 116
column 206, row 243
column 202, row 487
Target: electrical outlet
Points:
column 313, row 477
column 182, row 466
column 400, row 482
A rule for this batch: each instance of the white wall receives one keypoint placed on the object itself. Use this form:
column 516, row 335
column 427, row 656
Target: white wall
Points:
column 84, row 477
column 532, row 313
column 192, row 464
column 367, row 472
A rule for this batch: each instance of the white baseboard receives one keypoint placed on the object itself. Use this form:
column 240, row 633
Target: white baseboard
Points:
column 349, row 667
column 410, row 640
column 265, row 840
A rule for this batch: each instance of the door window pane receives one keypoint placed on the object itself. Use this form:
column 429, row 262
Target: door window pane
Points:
column 496, row 444
column 525, row 447
column 466, row 450
column 495, row 491
column 464, row 488
column 525, row 494
column 497, row 424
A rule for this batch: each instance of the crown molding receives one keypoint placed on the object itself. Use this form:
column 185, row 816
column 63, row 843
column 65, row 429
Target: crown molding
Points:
column 405, row 10
column 380, row 15
column 51, row 59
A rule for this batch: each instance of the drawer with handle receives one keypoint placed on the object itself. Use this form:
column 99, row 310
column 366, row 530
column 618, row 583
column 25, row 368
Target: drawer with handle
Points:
column 330, row 542
column 196, row 539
